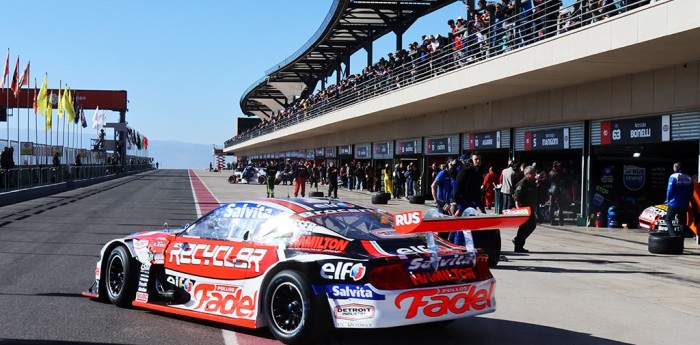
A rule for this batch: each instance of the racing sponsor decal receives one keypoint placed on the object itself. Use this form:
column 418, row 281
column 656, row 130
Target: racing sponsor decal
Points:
column 320, row 243
column 336, row 204
column 390, row 233
column 143, row 278
column 343, row 270
column 333, row 211
column 249, row 211
column 219, row 259
column 443, row 275
column 440, row 301
column 418, row 264
column 353, row 312
column 142, row 297
column 407, row 218
column 633, row 177
column 227, row 300
column 344, row 291
column 183, row 283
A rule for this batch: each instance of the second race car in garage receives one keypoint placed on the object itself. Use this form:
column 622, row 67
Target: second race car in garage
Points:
column 302, row 267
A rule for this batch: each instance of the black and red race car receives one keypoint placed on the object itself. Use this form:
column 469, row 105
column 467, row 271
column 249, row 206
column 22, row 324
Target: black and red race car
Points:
column 302, row 266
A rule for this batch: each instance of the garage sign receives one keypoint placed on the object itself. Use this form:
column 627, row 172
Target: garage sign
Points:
column 549, row 139
column 636, row 131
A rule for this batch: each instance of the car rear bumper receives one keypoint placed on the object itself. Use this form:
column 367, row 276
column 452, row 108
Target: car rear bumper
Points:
column 415, row 306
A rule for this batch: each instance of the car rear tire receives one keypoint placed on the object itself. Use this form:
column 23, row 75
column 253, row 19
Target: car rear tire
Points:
column 661, row 243
column 293, row 313
column 120, row 278
column 232, row 179
column 380, row 199
column 490, row 242
column 261, row 179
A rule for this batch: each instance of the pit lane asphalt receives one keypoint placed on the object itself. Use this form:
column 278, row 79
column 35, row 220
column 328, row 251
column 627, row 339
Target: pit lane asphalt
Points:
column 577, row 286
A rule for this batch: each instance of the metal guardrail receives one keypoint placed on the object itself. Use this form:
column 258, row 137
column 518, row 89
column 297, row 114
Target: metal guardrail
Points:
column 28, row 177
column 505, row 35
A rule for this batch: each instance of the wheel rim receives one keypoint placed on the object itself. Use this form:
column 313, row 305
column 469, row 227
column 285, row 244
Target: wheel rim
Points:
column 115, row 276
column 287, row 308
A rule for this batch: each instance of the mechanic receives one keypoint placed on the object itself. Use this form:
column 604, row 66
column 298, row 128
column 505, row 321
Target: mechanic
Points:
column 467, row 190
column 442, row 188
column 270, row 177
column 678, row 193
column 525, row 195
column 332, row 173
column 301, row 174
column 557, row 196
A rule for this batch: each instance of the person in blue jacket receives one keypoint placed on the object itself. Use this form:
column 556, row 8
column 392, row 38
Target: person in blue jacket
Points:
column 678, row 193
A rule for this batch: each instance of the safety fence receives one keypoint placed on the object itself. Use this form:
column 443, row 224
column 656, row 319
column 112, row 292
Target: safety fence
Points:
column 33, row 176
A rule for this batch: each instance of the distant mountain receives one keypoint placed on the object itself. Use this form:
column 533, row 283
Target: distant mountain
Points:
column 179, row 155
column 170, row 154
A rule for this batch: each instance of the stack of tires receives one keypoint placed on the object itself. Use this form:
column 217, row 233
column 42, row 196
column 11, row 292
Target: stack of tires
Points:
column 662, row 243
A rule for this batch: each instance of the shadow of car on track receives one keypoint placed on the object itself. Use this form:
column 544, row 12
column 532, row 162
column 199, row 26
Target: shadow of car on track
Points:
column 477, row 330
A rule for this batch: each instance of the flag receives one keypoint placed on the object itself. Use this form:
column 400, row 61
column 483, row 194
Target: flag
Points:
column 41, row 98
column 6, row 71
column 145, row 143
column 96, row 121
column 13, row 86
column 49, row 111
column 61, row 96
column 82, row 118
column 34, row 105
column 68, row 104
column 24, row 78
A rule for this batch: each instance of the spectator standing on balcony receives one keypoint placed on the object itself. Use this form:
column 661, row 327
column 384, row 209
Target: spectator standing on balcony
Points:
column 332, row 180
column 301, row 174
column 456, row 37
column 488, row 14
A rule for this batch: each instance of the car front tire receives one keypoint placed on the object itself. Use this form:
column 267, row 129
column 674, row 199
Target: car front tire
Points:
column 292, row 314
column 120, row 278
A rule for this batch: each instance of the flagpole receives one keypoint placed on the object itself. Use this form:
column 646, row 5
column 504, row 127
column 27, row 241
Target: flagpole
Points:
column 36, row 123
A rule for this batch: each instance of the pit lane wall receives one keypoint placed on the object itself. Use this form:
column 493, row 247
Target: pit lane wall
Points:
column 21, row 195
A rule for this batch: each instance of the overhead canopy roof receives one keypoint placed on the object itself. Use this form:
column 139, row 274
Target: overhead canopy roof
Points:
column 349, row 26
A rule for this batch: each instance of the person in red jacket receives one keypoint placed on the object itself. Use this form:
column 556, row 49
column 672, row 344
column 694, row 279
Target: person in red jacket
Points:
column 490, row 180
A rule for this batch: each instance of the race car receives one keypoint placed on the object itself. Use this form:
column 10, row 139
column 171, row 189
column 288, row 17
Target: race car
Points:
column 653, row 218
column 247, row 175
column 303, row 266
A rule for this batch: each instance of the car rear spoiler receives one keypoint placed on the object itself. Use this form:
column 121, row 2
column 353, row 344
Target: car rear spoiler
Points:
column 412, row 222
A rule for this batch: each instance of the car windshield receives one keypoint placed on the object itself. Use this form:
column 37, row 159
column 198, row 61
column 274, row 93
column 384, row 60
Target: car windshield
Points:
column 361, row 226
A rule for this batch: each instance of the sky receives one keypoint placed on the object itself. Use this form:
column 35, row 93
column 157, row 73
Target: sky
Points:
column 184, row 64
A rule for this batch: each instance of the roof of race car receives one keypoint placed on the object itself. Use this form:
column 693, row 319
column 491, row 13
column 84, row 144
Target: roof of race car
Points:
column 303, row 207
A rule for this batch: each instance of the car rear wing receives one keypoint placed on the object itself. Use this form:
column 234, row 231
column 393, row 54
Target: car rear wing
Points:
column 412, row 222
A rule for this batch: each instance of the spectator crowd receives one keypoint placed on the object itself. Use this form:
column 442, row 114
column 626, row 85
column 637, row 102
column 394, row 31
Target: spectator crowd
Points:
column 493, row 28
